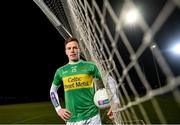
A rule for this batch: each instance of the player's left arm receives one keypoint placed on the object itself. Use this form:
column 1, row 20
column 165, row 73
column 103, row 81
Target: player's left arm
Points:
column 113, row 87
column 97, row 78
column 115, row 99
column 99, row 84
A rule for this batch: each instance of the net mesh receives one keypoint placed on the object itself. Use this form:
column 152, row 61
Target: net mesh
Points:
column 147, row 82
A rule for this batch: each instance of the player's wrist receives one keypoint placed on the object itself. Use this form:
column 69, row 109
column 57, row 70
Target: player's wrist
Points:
column 58, row 108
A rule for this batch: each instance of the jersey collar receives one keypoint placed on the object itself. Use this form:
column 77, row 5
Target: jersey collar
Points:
column 71, row 62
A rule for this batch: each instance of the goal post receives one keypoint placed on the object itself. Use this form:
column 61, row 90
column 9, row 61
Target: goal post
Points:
column 65, row 32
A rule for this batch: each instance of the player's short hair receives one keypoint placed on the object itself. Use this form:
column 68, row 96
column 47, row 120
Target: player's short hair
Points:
column 70, row 39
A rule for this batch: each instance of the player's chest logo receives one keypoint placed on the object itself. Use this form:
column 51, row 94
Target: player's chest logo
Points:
column 74, row 69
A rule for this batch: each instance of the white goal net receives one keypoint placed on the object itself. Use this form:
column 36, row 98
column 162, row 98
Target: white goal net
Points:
column 131, row 41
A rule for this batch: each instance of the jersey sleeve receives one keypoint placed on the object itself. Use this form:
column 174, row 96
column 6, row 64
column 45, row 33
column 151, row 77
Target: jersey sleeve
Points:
column 57, row 78
column 96, row 73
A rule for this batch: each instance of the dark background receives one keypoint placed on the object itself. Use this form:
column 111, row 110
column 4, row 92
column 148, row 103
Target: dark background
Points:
column 31, row 51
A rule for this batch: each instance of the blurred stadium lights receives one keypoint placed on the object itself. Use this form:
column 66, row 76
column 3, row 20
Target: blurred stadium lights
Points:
column 130, row 16
column 176, row 48
column 153, row 46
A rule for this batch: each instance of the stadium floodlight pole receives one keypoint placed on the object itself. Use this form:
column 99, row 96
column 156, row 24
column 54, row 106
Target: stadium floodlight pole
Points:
column 52, row 18
column 152, row 49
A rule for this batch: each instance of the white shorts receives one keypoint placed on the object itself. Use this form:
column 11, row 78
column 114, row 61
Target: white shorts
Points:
column 95, row 120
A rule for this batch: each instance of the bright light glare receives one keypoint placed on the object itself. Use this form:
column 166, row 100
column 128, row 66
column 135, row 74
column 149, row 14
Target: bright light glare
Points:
column 176, row 48
column 153, row 46
column 131, row 16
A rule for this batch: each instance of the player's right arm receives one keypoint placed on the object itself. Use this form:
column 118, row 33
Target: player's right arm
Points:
column 63, row 113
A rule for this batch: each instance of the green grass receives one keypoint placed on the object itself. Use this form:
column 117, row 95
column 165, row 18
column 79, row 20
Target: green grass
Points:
column 30, row 113
column 168, row 106
column 33, row 113
column 44, row 113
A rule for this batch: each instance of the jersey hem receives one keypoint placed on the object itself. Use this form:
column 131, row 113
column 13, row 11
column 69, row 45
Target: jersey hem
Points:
column 81, row 119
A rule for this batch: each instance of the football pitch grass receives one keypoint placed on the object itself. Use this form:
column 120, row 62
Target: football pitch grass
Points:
column 29, row 113
column 44, row 113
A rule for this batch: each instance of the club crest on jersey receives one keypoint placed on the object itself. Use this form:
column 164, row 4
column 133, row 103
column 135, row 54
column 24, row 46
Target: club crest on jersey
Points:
column 74, row 69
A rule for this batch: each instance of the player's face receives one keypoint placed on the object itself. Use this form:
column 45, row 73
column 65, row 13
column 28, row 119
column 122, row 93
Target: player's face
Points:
column 73, row 51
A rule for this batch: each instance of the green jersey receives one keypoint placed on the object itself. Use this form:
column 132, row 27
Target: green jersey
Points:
column 77, row 80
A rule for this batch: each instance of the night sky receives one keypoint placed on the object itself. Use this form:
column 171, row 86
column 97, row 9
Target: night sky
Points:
column 32, row 50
